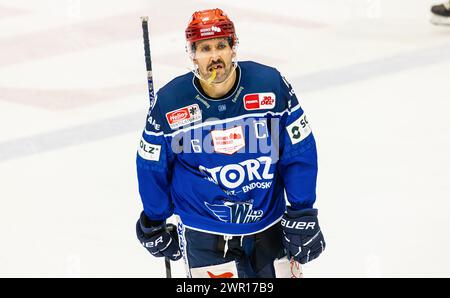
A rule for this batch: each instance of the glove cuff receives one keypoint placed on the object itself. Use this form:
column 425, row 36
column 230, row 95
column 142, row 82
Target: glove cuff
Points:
column 150, row 227
column 292, row 213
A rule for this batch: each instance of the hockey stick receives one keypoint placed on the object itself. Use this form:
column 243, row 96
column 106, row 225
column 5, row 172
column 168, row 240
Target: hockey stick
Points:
column 168, row 270
column 151, row 94
column 169, row 228
column 148, row 60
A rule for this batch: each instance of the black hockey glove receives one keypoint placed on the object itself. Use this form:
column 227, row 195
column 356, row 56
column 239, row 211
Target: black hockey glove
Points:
column 157, row 239
column 302, row 237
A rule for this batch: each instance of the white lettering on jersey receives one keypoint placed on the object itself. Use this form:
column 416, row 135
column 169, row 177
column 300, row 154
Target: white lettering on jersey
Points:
column 196, row 146
column 299, row 129
column 233, row 175
column 149, row 151
column 152, row 122
column 291, row 90
column 260, row 126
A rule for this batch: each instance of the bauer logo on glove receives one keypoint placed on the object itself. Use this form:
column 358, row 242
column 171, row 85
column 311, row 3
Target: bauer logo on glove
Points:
column 302, row 236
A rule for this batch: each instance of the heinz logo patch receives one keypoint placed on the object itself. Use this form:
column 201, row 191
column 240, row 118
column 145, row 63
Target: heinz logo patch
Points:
column 259, row 101
column 184, row 116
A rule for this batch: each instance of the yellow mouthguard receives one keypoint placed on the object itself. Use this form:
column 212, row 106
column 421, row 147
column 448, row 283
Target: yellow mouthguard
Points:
column 212, row 77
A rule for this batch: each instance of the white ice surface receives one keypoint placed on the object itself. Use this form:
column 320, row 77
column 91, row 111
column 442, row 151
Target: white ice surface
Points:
column 373, row 77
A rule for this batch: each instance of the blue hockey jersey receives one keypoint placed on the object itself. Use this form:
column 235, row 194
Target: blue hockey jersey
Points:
column 222, row 165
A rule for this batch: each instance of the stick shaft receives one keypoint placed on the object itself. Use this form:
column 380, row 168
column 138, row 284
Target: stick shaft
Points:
column 168, row 269
column 151, row 94
column 148, row 60
column 169, row 228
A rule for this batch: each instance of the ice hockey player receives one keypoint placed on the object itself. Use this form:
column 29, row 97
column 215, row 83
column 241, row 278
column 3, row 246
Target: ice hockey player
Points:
column 440, row 14
column 221, row 147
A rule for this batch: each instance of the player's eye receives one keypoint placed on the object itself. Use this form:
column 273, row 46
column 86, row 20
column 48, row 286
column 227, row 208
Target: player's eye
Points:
column 205, row 49
column 221, row 46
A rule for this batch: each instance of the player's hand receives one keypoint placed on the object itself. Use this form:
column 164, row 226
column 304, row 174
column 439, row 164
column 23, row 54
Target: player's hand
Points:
column 302, row 236
column 157, row 239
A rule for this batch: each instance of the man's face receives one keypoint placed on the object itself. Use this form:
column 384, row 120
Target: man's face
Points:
column 215, row 54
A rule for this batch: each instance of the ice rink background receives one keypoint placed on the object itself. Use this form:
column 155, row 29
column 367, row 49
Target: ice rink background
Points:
column 372, row 76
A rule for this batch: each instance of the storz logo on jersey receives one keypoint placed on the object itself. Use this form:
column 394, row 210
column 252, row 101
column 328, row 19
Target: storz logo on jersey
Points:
column 184, row 116
column 231, row 212
column 259, row 101
column 228, row 141
column 233, row 175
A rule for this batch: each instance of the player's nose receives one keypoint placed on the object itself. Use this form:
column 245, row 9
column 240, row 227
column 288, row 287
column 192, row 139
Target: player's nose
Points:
column 215, row 55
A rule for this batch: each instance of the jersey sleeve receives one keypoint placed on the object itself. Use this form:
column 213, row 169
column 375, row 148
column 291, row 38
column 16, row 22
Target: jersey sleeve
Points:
column 298, row 153
column 154, row 161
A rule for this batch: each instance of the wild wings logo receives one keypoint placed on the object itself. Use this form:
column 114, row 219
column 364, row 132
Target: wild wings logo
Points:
column 231, row 212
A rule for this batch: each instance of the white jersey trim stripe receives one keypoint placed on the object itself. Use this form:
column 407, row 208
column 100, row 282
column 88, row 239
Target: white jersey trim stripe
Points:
column 226, row 234
column 208, row 123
